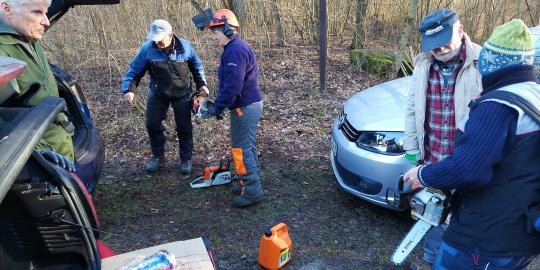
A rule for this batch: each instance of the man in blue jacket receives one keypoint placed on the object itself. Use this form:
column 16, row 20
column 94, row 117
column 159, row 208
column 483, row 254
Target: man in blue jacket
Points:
column 239, row 91
column 172, row 63
column 495, row 167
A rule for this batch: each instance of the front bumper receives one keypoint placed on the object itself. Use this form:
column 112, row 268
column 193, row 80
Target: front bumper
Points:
column 371, row 176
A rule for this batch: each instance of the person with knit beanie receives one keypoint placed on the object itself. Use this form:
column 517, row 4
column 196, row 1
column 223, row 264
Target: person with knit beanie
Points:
column 495, row 166
column 445, row 80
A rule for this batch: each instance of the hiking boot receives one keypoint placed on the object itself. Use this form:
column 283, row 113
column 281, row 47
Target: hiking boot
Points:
column 185, row 167
column 236, row 190
column 243, row 201
column 154, row 163
column 420, row 265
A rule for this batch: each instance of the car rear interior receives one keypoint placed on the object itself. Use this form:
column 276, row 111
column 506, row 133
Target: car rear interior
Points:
column 45, row 216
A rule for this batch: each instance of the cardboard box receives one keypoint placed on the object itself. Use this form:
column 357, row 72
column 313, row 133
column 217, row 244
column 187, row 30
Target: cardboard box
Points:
column 190, row 254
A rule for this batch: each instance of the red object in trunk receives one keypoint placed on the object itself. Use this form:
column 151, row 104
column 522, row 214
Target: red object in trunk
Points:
column 104, row 250
column 10, row 68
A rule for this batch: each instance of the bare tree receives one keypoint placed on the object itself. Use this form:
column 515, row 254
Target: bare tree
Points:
column 238, row 7
column 196, row 5
column 276, row 18
column 359, row 33
column 530, row 12
column 409, row 21
column 314, row 21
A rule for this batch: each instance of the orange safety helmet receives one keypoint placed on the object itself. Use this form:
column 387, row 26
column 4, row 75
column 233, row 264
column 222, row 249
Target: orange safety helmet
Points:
column 229, row 15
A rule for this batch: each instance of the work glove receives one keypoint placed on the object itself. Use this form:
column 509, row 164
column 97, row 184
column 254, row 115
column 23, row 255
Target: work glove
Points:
column 203, row 91
column 128, row 97
column 58, row 159
column 212, row 111
column 412, row 156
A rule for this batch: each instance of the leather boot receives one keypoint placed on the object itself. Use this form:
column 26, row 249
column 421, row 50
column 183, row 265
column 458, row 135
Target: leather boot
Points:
column 185, row 167
column 244, row 200
column 154, row 163
column 236, row 189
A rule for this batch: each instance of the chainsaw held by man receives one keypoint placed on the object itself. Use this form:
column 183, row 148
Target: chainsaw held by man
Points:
column 430, row 207
column 200, row 105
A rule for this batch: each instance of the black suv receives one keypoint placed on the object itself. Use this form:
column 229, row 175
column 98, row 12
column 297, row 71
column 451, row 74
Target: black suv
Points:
column 46, row 213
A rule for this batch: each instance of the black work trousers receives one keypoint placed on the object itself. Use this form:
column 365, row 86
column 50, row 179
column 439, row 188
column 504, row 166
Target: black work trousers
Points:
column 156, row 112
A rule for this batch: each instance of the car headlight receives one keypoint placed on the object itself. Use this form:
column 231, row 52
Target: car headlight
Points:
column 382, row 142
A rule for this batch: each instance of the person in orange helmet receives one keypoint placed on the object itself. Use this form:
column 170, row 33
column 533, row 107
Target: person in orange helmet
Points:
column 239, row 91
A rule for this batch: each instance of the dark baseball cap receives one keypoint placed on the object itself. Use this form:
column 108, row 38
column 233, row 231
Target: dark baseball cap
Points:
column 437, row 28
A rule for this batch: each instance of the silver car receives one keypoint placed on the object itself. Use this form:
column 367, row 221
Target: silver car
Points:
column 367, row 139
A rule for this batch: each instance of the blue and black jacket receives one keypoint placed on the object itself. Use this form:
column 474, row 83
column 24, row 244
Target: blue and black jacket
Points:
column 170, row 72
column 238, row 75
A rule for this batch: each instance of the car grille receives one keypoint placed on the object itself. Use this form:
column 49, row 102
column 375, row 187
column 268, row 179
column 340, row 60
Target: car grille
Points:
column 357, row 183
column 348, row 130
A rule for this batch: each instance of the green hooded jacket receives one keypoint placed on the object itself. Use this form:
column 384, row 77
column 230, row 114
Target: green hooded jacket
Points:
column 37, row 71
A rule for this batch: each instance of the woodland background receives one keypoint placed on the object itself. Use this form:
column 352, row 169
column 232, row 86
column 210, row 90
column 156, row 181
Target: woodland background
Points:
column 111, row 34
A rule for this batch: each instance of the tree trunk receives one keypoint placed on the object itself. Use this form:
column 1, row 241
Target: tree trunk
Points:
column 277, row 21
column 262, row 21
column 314, row 21
column 238, row 7
column 359, row 33
column 343, row 25
column 196, row 5
column 413, row 7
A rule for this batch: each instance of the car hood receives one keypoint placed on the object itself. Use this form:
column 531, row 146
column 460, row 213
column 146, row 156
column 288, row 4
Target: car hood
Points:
column 59, row 7
column 379, row 108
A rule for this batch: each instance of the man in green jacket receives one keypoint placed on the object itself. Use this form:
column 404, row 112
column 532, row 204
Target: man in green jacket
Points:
column 22, row 26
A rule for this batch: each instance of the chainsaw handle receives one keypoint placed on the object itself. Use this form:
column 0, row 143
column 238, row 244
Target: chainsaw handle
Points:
column 401, row 184
column 404, row 197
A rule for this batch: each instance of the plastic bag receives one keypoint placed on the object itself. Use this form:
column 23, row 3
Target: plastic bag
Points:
column 160, row 260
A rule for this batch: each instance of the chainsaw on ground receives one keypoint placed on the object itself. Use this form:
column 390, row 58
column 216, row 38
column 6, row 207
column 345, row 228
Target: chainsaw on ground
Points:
column 214, row 175
column 430, row 207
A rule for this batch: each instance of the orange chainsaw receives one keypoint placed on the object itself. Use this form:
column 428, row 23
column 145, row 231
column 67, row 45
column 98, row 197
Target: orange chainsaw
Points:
column 200, row 105
column 214, row 175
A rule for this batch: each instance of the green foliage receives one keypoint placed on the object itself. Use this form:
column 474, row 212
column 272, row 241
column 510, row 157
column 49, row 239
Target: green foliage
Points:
column 372, row 62
column 378, row 62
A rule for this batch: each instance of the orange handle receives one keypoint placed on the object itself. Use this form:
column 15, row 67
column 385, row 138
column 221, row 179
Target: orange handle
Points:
column 239, row 112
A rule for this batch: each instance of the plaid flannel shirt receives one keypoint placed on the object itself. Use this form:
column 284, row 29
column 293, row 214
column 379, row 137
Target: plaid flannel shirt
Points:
column 440, row 111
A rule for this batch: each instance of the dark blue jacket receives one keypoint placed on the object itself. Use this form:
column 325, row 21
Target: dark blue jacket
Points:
column 238, row 75
column 170, row 73
column 495, row 169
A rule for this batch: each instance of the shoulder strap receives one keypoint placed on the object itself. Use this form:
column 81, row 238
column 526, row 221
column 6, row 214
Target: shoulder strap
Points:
column 515, row 99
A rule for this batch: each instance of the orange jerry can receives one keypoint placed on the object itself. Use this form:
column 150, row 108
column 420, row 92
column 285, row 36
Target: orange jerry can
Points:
column 275, row 248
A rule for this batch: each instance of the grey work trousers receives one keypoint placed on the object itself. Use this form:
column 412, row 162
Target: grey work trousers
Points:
column 244, row 122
